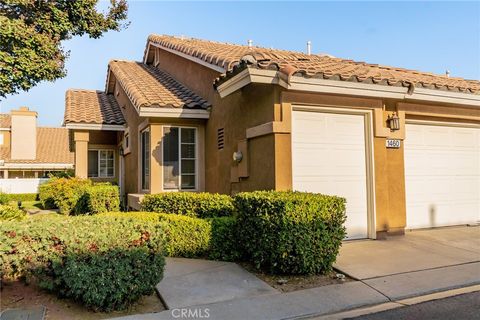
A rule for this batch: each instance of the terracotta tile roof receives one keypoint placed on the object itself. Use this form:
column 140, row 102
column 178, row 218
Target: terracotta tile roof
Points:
column 5, row 120
column 233, row 57
column 93, row 107
column 53, row 146
column 147, row 86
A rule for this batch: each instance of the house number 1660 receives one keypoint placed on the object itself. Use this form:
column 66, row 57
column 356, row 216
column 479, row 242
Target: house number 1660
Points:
column 393, row 143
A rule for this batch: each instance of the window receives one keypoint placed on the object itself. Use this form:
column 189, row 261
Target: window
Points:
column 179, row 158
column 145, row 144
column 101, row 164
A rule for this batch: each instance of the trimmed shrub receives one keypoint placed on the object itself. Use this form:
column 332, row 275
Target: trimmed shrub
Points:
column 189, row 237
column 185, row 236
column 63, row 193
column 11, row 213
column 290, row 232
column 21, row 197
column 224, row 243
column 192, row 204
column 106, row 263
column 99, row 198
column 4, row 198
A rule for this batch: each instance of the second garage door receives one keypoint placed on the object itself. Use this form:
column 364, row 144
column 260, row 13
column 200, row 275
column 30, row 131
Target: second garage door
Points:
column 442, row 175
column 329, row 157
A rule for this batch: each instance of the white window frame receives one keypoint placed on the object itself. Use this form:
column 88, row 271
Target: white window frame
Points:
column 180, row 159
column 98, row 164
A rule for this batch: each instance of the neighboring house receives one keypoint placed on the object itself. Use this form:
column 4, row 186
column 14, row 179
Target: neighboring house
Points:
column 30, row 152
column 402, row 146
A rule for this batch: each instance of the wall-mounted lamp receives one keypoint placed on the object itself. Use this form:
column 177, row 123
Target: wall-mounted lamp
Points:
column 393, row 122
column 121, row 151
column 237, row 156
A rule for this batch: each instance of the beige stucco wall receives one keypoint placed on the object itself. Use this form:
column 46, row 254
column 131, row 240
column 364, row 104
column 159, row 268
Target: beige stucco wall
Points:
column 246, row 108
column 257, row 121
column 131, row 159
column 6, row 139
column 24, row 134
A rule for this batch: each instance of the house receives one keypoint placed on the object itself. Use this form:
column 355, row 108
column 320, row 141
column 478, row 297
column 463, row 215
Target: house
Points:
column 402, row 146
column 30, row 152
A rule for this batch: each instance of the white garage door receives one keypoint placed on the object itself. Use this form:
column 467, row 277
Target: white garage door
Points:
column 442, row 175
column 328, row 156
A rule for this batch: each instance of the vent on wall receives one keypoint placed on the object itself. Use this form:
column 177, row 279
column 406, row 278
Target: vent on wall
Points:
column 220, row 138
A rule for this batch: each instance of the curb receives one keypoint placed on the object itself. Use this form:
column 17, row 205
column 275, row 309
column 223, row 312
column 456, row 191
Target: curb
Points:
column 396, row 304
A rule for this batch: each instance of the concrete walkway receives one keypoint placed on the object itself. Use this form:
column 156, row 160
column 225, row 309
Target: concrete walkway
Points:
column 303, row 303
column 422, row 262
column 189, row 282
column 419, row 263
column 416, row 251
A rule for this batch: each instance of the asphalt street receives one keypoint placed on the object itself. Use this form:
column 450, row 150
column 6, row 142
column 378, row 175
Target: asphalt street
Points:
column 464, row 306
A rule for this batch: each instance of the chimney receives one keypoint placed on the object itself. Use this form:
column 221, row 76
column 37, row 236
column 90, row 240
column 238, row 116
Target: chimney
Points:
column 24, row 134
column 309, row 47
column 250, row 43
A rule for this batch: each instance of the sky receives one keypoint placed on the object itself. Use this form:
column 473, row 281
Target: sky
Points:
column 427, row 36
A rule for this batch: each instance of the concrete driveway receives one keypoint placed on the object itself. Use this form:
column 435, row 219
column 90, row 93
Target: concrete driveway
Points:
column 417, row 250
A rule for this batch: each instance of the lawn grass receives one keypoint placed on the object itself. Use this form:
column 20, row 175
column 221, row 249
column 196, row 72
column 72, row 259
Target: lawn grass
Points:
column 31, row 205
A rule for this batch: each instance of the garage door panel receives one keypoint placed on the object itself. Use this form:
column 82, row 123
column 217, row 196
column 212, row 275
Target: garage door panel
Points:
column 328, row 155
column 442, row 175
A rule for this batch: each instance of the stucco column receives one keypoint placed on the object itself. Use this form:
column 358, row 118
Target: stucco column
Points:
column 389, row 175
column 156, row 172
column 81, row 139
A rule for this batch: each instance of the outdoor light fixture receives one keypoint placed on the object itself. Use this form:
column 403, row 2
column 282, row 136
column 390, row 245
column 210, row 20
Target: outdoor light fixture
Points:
column 393, row 122
column 121, row 151
column 237, row 156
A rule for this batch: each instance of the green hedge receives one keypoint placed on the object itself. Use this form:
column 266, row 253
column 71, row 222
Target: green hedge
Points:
column 79, row 196
column 290, row 232
column 7, row 197
column 192, row 237
column 106, row 263
column 63, row 193
column 99, row 198
column 192, row 204
column 224, row 244
column 11, row 213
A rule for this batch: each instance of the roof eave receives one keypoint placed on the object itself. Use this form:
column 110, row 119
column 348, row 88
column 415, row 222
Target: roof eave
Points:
column 94, row 126
column 182, row 113
column 36, row 165
column 253, row 75
column 150, row 44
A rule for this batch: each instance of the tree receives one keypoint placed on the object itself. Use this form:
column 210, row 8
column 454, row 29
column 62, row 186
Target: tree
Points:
column 31, row 33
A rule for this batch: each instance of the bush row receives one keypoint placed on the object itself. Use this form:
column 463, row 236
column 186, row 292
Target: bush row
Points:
column 106, row 263
column 8, row 197
column 79, row 196
column 279, row 232
column 191, row 237
column 201, row 205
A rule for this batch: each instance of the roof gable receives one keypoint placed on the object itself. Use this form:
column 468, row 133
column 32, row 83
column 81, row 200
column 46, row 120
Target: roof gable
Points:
column 147, row 86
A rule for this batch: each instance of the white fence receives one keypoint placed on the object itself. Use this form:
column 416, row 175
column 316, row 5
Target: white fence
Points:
column 21, row 185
